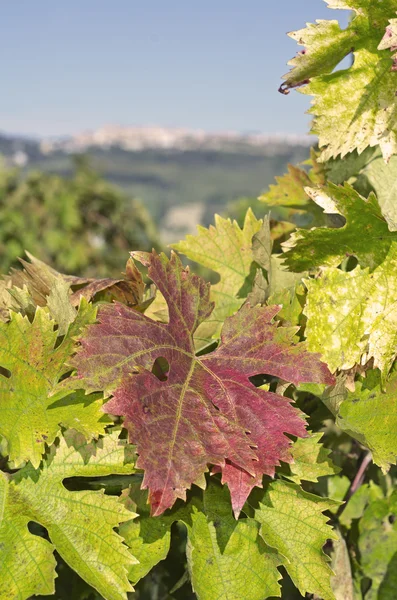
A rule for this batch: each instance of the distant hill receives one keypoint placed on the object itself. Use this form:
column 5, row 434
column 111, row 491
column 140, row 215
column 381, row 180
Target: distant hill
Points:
column 178, row 139
column 182, row 176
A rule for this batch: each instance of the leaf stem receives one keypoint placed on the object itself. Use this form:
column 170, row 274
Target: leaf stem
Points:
column 357, row 481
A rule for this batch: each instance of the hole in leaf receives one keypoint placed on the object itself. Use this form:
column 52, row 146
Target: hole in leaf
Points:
column 36, row 529
column 258, row 380
column 346, row 62
column 68, row 582
column 351, row 263
column 111, row 484
column 5, row 372
column 59, row 339
column 210, row 348
column 161, row 368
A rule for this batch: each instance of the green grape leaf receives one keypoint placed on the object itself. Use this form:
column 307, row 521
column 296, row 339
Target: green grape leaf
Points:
column 27, row 563
column 185, row 411
column 357, row 503
column 289, row 192
column 377, row 544
column 226, row 558
column 292, row 522
column 225, row 249
column 367, row 173
column 31, row 367
column 311, row 460
column 36, row 277
column 364, row 235
column 352, row 316
column 273, row 284
column 59, row 305
column 292, row 302
column 289, row 189
column 370, row 415
column 40, row 285
column 353, row 107
column 7, row 302
column 79, row 524
column 278, row 280
column 147, row 537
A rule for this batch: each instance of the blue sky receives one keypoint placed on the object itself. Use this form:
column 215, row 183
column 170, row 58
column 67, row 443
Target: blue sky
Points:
column 212, row 64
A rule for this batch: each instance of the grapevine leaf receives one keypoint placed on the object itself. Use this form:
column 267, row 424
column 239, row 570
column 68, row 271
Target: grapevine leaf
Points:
column 364, row 235
column 7, row 302
column 378, row 546
column 217, row 547
column 292, row 302
column 370, row 415
column 40, row 285
column 226, row 249
column 79, row 524
column 158, row 309
column 128, row 290
column 289, row 192
column 292, row 522
column 278, row 279
column 354, row 107
column 357, row 503
column 27, row 563
column 354, row 313
column 148, row 538
column 198, row 410
column 369, row 172
column 227, row 558
column 289, row 189
column 36, row 276
column 31, row 366
column 311, row 460
column 39, row 281
column 60, row 307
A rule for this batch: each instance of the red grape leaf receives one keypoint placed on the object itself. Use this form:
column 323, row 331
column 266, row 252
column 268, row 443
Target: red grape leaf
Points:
column 202, row 410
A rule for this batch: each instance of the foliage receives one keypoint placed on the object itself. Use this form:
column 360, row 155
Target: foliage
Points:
column 81, row 225
column 355, row 107
column 231, row 441
column 168, row 178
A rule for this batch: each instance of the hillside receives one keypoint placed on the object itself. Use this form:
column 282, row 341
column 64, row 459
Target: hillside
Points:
column 182, row 177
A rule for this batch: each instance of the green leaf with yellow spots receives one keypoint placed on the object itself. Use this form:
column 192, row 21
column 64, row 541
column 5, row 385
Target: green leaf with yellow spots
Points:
column 80, row 524
column 369, row 414
column 292, row 522
column 356, row 106
column 226, row 558
column 352, row 316
column 32, row 362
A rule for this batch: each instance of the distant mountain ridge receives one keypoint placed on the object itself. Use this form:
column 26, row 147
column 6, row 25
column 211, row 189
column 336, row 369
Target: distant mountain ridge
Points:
column 135, row 139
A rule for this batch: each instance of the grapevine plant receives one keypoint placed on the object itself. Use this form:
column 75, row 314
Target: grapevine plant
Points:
column 231, row 441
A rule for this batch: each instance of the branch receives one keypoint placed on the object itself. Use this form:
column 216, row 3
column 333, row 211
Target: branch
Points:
column 357, row 481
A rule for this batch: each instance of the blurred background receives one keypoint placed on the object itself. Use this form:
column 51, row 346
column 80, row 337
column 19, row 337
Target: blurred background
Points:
column 125, row 124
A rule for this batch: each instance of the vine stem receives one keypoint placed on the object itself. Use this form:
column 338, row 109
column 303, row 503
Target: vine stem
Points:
column 357, row 481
